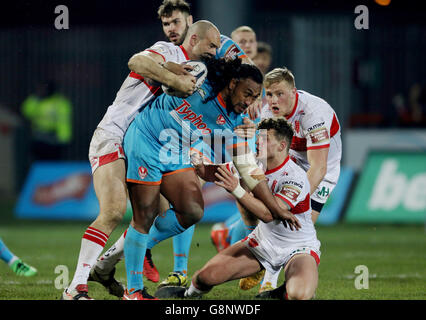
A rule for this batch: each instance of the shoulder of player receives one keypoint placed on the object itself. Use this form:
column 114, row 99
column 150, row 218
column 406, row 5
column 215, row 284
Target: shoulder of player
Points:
column 166, row 49
column 294, row 172
column 312, row 104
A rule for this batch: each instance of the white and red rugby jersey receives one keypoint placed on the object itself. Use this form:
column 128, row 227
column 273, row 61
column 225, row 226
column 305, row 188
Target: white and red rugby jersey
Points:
column 135, row 92
column 290, row 184
column 315, row 126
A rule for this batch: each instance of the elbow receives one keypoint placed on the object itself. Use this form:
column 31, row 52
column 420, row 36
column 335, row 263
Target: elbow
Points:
column 134, row 63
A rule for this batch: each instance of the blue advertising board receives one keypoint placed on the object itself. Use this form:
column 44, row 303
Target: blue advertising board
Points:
column 58, row 190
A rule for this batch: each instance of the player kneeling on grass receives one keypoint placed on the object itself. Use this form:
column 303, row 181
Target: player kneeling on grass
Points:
column 270, row 246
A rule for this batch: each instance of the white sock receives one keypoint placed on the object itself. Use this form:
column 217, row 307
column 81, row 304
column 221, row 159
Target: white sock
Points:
column 192, row 291
column 272, row 278
column 92, row 245
column 112, row 256
column 14, row 258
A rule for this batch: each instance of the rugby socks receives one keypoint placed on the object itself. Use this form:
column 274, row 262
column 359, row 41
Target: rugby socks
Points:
column 193, row 291
column 165, row 226
column 6, row 255
column 181, row 247
column 112, row 256
column 92, row 245
column 134, row 254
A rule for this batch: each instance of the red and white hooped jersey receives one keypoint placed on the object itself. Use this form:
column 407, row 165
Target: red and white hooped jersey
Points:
column 315, row 126
column 290, row 184
column 135, row 92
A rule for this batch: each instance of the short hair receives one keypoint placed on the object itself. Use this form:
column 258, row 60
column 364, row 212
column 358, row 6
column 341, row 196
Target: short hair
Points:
column 278, row 75
column 263, row 47
column 283, row 129
column 242, row 29
column 168, row 6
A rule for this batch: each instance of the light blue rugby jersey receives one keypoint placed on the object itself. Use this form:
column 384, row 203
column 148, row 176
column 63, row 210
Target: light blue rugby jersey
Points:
column 179, row 123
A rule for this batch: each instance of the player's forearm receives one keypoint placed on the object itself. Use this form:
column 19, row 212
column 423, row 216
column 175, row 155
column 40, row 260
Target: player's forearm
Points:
column 256, row 207
column 149, row 68
column 316, row 174
column 262, row 192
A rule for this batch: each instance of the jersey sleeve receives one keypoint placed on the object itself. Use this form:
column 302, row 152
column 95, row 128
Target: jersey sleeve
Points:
column 165, row 50
column 229, row 49
column 294, row 191
column 316, row 130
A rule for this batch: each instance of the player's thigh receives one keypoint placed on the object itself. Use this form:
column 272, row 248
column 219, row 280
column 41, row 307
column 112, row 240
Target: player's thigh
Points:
column 235, row 262
column 109, row 182
column 145, row 200
column 165, row 204
column 182, row 188
column 301, row 276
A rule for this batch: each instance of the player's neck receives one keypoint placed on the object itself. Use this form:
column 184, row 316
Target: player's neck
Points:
column 276, row 160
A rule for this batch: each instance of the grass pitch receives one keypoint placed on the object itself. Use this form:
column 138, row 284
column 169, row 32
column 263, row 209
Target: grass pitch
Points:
column 394, row 255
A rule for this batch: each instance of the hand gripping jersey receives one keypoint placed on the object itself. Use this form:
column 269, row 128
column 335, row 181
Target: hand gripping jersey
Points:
column 135, row 92
column 159, row 140
column 273, row 243
column 315, row 126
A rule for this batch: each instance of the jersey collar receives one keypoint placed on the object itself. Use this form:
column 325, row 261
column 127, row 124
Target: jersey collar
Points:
column 279, row 167
column 184, row 52
column 221, row 102
column 294, row 107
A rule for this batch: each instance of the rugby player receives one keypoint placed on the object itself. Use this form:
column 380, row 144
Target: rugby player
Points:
column 316, row 146
column 270, row 246
column 176, row 18
column 156, row 163
column 159, row 63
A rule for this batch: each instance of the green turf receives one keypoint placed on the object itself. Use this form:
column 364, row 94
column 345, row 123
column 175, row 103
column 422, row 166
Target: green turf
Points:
column 395, row 257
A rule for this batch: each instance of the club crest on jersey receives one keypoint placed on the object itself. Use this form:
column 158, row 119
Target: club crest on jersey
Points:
column 142, row 172
column 220, row 120
column 188, row 115
column 290, row 192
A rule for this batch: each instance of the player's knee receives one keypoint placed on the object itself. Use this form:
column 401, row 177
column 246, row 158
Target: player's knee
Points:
column 192, row 214
column 299, row 292
column 112, row 216
column 206, row 279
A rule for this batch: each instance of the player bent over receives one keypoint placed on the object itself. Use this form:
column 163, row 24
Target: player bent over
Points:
column 106, row 152
column 270, row 246
column 157, row 165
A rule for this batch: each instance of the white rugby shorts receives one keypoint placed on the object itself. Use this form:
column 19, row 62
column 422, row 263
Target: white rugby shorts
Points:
column 104, row 148
column 273, row 257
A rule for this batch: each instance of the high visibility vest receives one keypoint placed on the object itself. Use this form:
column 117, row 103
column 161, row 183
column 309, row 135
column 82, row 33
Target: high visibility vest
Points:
column 50, row 115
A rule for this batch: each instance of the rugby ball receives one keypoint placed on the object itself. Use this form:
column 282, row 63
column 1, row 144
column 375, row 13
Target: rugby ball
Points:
column 199, row 71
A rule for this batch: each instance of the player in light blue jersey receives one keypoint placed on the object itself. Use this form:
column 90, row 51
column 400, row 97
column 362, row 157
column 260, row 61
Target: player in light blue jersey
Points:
column 156, row 146
column 176, row 18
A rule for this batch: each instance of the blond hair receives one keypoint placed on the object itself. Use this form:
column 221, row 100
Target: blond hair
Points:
column 242, row 29
column 278, row 75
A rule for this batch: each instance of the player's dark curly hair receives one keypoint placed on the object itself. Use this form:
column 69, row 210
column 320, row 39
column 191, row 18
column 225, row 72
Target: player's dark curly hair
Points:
column 283, row 129
column 220, row 72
